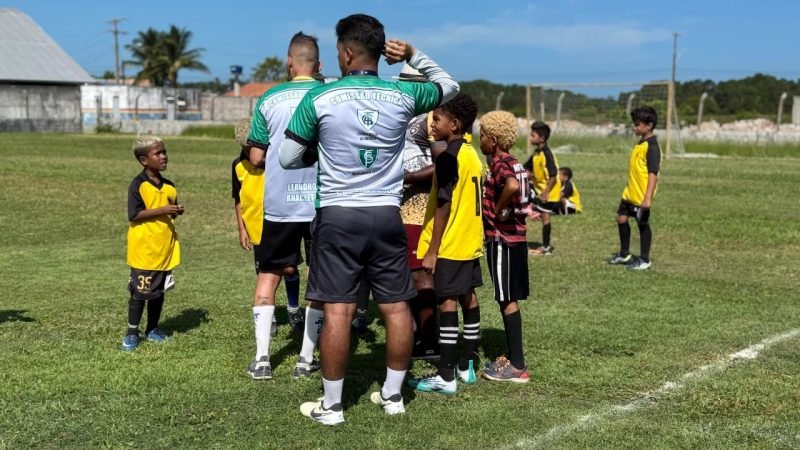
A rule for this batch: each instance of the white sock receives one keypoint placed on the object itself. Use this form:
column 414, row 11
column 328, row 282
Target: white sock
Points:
column 314, row 318
column 394, row 381
column 262, row 316
column 333, row 392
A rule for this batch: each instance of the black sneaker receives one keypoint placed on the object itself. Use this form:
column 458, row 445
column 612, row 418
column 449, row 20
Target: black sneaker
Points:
column 619, row 259
column 297, row 319
column 360, row 323
column 304, row 369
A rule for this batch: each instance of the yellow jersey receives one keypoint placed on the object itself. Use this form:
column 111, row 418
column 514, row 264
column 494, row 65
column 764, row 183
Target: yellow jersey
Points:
column 152, row 243
column 458, row 179
column 248, row 189
column 570, row 192
column 645, row 159
column 543, row 166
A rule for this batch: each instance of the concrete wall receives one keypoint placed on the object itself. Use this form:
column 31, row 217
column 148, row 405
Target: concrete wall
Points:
column 137, row 102
column 227, row 109
column 156, row 127
column 31, row 107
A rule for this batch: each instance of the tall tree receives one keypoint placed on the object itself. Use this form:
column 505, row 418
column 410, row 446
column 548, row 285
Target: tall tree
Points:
column 271, row 69
column 161, row 55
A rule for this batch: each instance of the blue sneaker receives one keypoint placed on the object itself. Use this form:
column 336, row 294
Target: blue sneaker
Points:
column 157, row 335
column 468, row 376
column 434, row 384
column 130, row 342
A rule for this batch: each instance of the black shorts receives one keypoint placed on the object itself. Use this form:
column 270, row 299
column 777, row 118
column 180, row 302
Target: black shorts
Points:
column 508, row 268
column 350, row 242
column 149, row 284
column 454, row 278
column 280, row 245
column 546, row 207
column 567, row 208
column 627, row 208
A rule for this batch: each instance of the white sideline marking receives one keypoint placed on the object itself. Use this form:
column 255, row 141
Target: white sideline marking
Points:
column 647, row 399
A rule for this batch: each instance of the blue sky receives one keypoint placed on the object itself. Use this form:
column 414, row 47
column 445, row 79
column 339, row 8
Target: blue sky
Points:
column 508, row 41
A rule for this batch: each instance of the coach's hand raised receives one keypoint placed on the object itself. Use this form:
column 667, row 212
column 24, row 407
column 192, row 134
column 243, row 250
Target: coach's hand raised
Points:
column 397, row 51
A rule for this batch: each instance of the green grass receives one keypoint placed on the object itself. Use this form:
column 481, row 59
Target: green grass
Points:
column 622, row 145
column 210, row 131
column 726, row 251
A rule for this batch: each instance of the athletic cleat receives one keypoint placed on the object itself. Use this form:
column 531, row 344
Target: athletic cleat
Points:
column 274, row 330
column 260, row 370
column 617, row 259
column 157, row 335
column 542, row 251
column 304, row 369
column 468, row 376
column 130, row 342
column 360, row 324
column 639, row 264
column 297, row 319
column 391, row 406
column 492, row 365
column 419, row 352
column 330, row 416
column 505, row 371
column 433, row 384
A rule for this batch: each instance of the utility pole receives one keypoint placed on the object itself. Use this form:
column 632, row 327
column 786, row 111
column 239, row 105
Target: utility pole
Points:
column 671, row 92
column 115, row 23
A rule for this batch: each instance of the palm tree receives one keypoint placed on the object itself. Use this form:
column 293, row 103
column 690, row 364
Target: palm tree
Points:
column 178, row 55
column 146, row 53
column 161, row 55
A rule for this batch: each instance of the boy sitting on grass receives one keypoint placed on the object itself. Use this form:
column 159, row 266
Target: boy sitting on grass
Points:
column 570, row 197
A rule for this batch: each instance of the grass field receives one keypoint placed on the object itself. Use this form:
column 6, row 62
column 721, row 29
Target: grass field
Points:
column 597, row 338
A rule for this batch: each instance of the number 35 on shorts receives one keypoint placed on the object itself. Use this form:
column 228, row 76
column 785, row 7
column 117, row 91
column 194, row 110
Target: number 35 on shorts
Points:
column 148, row 284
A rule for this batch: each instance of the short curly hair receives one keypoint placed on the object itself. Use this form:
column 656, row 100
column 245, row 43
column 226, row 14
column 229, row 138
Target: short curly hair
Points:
column 241, row 131
column 141, row 146
column 501, row 125
column 463, row 108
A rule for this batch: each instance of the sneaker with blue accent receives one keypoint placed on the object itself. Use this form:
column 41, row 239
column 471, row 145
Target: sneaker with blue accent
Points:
column 157, row 335
column 130, row 342
column 434, row 384
column 639, row 264
column 620, row 259
column 468, row 376
column 505, row 371
column 326, row 416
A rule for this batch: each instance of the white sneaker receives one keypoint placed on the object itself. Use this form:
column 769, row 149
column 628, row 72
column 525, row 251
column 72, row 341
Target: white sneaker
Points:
column 331, row 416
column 391, row 406
column 433, row 384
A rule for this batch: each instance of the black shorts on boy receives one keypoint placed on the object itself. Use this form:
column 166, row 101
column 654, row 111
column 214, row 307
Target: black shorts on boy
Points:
column 149, row 284
column 280, row 245
column 347, row 242
column 508, row 267
column 456, row 278
column 642, row 215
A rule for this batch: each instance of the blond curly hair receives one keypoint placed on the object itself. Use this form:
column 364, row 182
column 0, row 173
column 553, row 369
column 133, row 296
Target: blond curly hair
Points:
column 141, row 145
column 241, row 130
column 501, row 125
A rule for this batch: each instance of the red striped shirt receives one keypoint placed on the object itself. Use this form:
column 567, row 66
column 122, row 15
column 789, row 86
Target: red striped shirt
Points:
column 512, row 230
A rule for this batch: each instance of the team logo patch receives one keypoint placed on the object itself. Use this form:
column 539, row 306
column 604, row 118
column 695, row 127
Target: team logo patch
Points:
column 367, row 118
column 367, row 156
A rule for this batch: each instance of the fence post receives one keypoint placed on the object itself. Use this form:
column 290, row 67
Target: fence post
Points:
column 558, row 108
column 700, row 108
column 670, row 107
column 629, row 106
column 541, row 111
column 527, row 116
column 780, row 109
column 498, row 100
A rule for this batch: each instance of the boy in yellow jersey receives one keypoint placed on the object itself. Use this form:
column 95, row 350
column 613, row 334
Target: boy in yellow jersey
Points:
column 452, row 242
column 637, row 198
column 153, row 249
column 247, row 190
column 546, row 187
column 570, row 197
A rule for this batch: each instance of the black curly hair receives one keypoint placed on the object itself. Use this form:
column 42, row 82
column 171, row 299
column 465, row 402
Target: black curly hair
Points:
column 463, row 108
